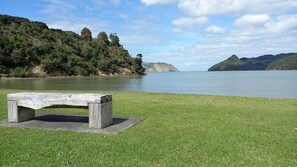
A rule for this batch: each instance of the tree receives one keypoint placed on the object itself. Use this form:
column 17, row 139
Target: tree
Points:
column 85, row 51
column 18, row 57
column 86, row 34
column 102, row 37
column 138, row 64
column 114, row 39
column 139, row 56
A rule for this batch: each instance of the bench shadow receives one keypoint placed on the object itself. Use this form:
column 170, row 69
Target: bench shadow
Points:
column 71, row 118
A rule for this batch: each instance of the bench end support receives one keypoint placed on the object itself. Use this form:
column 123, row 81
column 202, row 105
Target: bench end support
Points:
column 19, row 114
column 100, row 114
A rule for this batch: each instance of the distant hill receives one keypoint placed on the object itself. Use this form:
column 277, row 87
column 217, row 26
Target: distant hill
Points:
column 159, row 67
column 30, row 48
column 284, row 61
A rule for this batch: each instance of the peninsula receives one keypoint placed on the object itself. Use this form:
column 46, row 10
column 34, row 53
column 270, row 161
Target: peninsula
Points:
column 283, row 61
column 159, row 67
column 32, row 49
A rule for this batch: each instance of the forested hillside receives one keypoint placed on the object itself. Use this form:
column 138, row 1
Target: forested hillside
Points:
column 29, row 49
column 284, row 61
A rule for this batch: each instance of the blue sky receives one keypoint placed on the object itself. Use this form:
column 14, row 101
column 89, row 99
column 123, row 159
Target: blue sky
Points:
column 190, row 34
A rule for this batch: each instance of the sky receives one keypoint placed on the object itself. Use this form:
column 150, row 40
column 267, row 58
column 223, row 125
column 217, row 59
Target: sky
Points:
column 192, row 35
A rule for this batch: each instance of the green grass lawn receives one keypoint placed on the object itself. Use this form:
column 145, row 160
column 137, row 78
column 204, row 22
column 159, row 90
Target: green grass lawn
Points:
column 178, row 130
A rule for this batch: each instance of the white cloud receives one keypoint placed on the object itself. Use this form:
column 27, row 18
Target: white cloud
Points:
column 115, row 2
column 137, row 24
column 254, row 26
column 97, row 3
column 123, row 16
column 283, row 23
column 189, row 63
column 154, row 2
column 177, row 30
column 228, row 7
column 211, row 7
column 233, row 7
column 270, row 6
column 134, row 39
column 59, row 8
column 252, row 20
column 188, row 22
column 215, row 29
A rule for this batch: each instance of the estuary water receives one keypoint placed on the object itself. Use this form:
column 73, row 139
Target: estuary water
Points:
column 271, row 84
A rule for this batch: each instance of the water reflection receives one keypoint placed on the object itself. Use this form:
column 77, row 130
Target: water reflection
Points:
column 273, row 84
column 74, row 83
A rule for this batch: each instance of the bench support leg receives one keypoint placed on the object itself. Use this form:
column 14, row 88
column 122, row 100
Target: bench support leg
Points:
column 19, row 114
column 100, row 114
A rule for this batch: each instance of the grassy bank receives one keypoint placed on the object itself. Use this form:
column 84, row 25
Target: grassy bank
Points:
column 178, row 130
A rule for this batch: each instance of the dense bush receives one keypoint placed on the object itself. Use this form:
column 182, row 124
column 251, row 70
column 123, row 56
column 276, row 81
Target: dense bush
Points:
column 25, row 45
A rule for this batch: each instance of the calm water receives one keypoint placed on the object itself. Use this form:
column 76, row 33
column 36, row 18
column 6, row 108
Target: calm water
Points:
column 273, row 84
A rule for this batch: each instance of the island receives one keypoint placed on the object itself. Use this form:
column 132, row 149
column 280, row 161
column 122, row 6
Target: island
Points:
column 32, row 49
column 159, row 67
column 283, row 61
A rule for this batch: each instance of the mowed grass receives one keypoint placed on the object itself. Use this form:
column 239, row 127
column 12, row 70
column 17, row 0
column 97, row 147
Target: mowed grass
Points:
column 178, row 130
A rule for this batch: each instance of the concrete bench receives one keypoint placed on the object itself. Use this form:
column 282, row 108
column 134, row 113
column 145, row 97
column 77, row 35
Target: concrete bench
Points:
column 22, row 106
